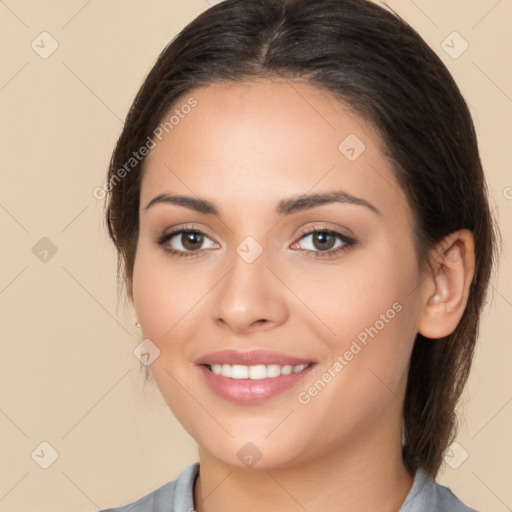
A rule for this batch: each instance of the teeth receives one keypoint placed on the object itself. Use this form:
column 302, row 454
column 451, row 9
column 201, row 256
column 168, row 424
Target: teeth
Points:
column 273, row 370
column 286, row 370
column 239, row 372
column 257, row 372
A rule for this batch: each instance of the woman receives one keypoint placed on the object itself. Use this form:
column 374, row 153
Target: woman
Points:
column 301, row 219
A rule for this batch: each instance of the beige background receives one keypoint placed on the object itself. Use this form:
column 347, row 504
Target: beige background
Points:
column 68, row 375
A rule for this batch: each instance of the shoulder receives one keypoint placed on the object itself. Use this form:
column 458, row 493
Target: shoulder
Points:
column 448, row 501
column 154, row 501
column 426, row 495
column 168, row 497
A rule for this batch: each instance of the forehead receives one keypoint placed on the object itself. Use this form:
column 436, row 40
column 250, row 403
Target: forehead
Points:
column 253, row 142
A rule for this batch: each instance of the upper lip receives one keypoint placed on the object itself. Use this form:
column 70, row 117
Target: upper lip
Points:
column 250, row 358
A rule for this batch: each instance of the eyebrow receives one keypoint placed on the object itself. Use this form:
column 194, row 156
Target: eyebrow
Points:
column 285, row 206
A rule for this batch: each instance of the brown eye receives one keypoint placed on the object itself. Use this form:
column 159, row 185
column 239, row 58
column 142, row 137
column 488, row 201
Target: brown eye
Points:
column 324, row 242
column 185, row 242
column 191, row 240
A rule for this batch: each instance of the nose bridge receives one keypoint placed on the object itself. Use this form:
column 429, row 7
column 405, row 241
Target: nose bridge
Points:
column 249, row 292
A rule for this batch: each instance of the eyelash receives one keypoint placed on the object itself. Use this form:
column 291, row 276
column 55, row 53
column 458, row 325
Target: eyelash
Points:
column 348, row 242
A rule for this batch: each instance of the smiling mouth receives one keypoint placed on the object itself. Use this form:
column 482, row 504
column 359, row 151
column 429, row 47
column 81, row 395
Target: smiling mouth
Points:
column 255, row 372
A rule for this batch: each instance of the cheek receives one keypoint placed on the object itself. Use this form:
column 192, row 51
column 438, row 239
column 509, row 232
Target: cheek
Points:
column 171, row 302
column 365, row 372
column 160, row 297
column 371, row 307
column 162, row 292
column 167, row 304
column 349, row 297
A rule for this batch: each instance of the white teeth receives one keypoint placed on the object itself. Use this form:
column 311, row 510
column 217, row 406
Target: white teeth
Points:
column 273, row 370
column 256, row 372
column 226, row 370
column 286, row 370
column 239, row 372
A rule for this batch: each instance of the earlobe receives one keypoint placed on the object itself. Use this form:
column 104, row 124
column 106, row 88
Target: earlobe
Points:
column 446, row 288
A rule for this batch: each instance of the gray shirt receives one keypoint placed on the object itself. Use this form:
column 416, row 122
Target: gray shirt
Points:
column 178, row 496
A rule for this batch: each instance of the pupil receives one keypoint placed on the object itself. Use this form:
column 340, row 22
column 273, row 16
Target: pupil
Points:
column 324, row 237
column 191, row 239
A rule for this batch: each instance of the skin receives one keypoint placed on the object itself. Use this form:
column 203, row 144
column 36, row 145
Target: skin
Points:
column 245, row 147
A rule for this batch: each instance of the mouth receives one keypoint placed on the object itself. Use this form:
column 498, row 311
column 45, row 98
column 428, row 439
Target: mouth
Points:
column 252, row 377
column 256, row 372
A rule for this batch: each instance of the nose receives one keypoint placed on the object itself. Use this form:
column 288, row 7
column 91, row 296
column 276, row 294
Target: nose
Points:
column 249, row 298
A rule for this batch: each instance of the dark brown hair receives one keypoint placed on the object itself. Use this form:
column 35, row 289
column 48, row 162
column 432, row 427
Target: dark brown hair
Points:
column 373, row 61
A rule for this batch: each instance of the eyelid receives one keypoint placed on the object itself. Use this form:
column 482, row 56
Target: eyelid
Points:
column 348, row 242
column 180, row 228
column 322, row 227
column 168, row 235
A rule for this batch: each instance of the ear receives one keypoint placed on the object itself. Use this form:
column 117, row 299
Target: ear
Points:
column 446, row 287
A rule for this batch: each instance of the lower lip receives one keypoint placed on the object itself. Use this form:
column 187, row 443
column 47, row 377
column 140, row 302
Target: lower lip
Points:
column 251, row 391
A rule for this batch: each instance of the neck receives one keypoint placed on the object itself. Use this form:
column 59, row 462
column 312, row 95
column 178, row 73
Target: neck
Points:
column 363, row 476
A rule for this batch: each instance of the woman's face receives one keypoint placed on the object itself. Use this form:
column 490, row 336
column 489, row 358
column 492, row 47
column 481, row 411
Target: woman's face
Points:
column 256, row 294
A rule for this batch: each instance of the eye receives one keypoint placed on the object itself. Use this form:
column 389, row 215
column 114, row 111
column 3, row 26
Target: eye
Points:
column 325, row 242
column 185, row 242
column 189, row 242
